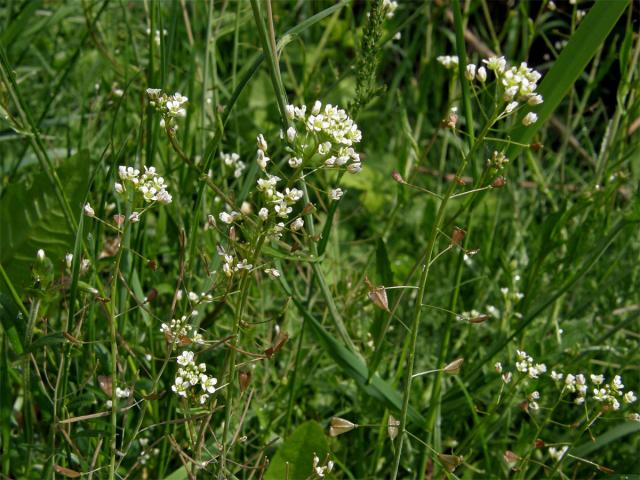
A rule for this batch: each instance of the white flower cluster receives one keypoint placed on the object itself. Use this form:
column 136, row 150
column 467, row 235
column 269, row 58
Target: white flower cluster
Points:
column 151, row 185
column 189, row 375
column 279, row 204
column 233, row 161
column 609, row 393
column 526, row 364
column 389, row 8
column 328, row 133
column 498, row 160
column 321, row 470
column 450, row 62
column 231, row 265
column 180, row 331
column 518, row 85
column 169, row 106
column 604, row 393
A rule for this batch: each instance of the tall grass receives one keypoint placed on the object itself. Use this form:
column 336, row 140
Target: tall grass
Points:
column 397, row 324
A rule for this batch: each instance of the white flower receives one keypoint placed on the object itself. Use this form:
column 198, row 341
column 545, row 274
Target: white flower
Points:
column 272, row 272
column 597, row 379
column 498, row 367
column 229, row 218
column 634, row 417
column 630, row 397
column 324, row 148
column 263, row 214
column 510, row 107
column 448, row 61
column 534, row 406
column 535, row 100
column 481, row 74
column 389, row 8
column 291, row 134
column 354, row 167
column 506, row 377
column 68, row 258
column 600, row 394
column 556, row 376
column 282, row 209
column 336, row 194
column 208, row 383
column 497, row 64
column 134, row 217
column 118, row 187
column 617, row 383
column 297, row 224
column 262, row 143
column 470, row 72
column 290, row 111
column 529, row 119
column 185, row 358
column 88, row 211
column 244, row 265
column 557, row 454
column 316, row 107
column 295, row 162
column 123, row 392
column 262, row 160
column 40, row 255
column 535, row 395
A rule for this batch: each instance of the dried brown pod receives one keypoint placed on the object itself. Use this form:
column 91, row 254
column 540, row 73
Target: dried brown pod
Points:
column 339, row 426
column 397, row 177
column 152, row 295
column 536, row 147
column 272, row 350
column 457, row 236
column 244, row 377
column 153, row 265
column 378, row 295
column 232, row 234
column 539, row 443
column 453, row 368
column 450, row 462
column 479, row 319
column 605, row 469
column 308, row 208
column 110, row 247
column 392, row 427
column 106, row 385
column 66, row 472
column 511, row 458
column 499, row 182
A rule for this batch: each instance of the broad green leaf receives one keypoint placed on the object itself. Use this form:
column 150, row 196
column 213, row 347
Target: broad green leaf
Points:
column 33, row 219
column 295, row 456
